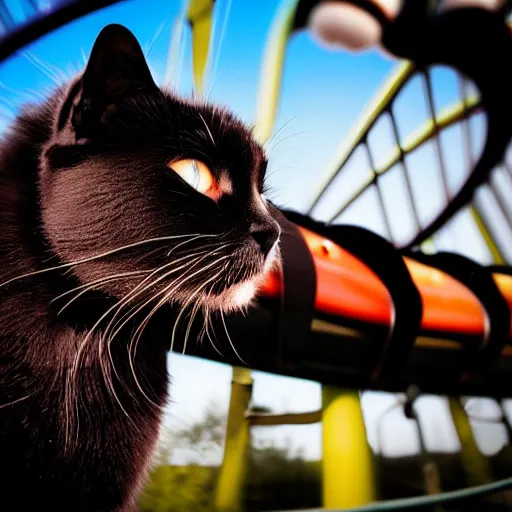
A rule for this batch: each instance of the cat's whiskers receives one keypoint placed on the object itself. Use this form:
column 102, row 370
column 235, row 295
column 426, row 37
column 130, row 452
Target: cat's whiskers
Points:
column 71, row 375
column 70, row 379
column 229, row 338
column 101, row 255
column 207, row 129
column 2, row 406
column 176, row 323
column 119, row 306
column 150, row 285
column 197, row 306
column 116, row 308
column 27, row 93
column 137, row 333
column 44, row 69
column 195, row 254
column 140, row 329
column 185, row 242
column 268, row 142
column 167, row 295
column 91, row 286
column 156, row 35
column 207, row 317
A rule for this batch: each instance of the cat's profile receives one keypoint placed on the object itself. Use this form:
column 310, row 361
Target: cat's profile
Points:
column 120, row 204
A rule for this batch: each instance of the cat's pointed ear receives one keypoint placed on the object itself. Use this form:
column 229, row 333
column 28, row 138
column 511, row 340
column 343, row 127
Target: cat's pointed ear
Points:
column 117, row 69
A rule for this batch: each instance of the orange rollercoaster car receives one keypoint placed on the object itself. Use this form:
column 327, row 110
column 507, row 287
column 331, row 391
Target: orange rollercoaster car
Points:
column 349, row 288
column 352, row 303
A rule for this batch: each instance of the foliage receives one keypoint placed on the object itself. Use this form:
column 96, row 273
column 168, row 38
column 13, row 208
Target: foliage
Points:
column 279, row 479
column 179, row 488
column 275, row 477
column 203, row 437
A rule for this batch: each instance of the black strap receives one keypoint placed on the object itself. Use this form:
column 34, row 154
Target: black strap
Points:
column 378, row 254
column 480, row 281
column 298, row 294
column 500, row 269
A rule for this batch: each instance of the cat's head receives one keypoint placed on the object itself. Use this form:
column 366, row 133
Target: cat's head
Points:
column 157, row 194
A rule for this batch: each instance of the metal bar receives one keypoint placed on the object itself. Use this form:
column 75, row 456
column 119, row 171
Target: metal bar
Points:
column 199, row 14
column 32, row 31
column 405, row 171
column 476, row 466
column 348, row 476
column 426, row 131
column 428, row 501
column 422, row 134
column 272, row 71
column 466, row 129
column 437, row 143
column 229, row 492
column 271, row 420
column 392, row 86
column 475, row 208
column 496, row 253
column 382, row 206
column 504, row 420
column 501, row 203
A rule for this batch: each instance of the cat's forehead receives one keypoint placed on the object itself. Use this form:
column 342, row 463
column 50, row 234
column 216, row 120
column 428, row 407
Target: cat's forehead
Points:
column 220, row 130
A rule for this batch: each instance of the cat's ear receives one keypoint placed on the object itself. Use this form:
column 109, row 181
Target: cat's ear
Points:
column 117, row 69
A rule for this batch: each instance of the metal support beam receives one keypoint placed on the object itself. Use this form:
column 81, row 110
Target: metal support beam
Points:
column 348, row 473
column 229, row 494
column 200, row 14
column 477, row 468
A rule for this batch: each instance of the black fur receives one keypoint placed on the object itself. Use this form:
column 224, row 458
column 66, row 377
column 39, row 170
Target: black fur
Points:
column 81, row 175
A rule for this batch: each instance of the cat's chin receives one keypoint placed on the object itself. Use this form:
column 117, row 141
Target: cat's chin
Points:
column 234, row 298
column 241, row 295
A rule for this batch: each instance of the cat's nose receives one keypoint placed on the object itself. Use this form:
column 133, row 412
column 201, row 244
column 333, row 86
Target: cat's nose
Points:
column 265, row 235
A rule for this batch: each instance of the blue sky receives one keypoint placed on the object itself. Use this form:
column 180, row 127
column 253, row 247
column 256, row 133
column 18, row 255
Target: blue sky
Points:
column 323, row 92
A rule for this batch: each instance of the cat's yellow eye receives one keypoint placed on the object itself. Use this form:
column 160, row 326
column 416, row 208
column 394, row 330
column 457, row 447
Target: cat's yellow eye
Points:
column 197, row 175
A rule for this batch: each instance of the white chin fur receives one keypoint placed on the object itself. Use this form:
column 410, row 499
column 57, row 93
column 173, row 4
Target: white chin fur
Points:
column 241, row 295
column 234, row 298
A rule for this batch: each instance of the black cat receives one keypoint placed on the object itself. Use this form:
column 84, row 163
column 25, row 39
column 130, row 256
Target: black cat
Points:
column 121, row 206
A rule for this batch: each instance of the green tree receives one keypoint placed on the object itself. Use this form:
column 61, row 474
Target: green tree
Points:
column 277, row 479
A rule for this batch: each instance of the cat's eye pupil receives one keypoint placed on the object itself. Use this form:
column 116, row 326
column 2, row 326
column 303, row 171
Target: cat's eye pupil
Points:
column 197, row 175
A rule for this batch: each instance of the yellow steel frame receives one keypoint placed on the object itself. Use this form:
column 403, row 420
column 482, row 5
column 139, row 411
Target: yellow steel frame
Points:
column 476, row 466
column 233, row 471
column 272, row 71
column 369, row 115
column 348, row 472
column 200, row 14
column 417, row 138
